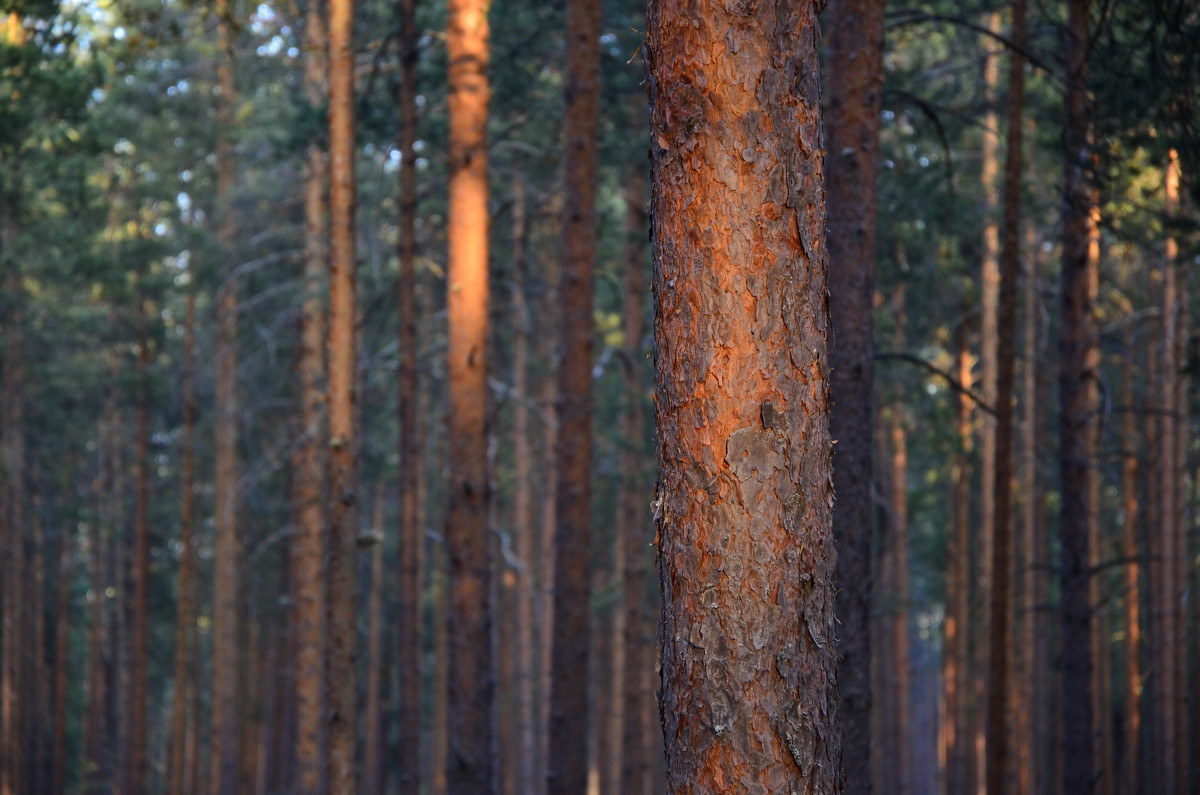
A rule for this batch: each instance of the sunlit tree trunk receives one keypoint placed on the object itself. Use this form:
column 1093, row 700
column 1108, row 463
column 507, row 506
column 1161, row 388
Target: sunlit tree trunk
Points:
column 1079, row 354
column 853, row 101
column 408, row 621
column 1132, row 727
column 1001, row 685
column 227, row 548
column 342, row 505
column 470, row 766
column 568, row 757
column 635, row 522
column 745, row 493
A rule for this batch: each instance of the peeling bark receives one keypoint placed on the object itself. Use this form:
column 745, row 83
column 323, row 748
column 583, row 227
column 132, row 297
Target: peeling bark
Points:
column 745, row 495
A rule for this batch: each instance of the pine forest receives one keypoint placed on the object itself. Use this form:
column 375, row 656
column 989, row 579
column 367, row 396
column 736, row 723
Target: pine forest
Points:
column 566, row 397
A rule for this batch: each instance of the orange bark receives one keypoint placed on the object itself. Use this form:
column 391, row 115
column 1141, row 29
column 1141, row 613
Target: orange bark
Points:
column 749, row 695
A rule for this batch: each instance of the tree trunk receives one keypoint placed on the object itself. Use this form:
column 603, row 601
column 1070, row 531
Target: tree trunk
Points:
column 854, row 101
column 568, row 761
column 136, row 775
column 901, row 735
column 342, row 513
column 470, row 767
column 227, row 548
column 1132, row 728
column 546, row 521
column 408, row 625
column 373, row 779
column 308, row 548
column 745, row 523
column 1000, row 685
column 635, row 523
column 1079, row 354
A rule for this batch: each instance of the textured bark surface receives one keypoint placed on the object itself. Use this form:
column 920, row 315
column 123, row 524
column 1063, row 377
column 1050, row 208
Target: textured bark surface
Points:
column 470, row 766
column 1001, row 691
column 227, row 546
column 852, row 127
column 568, row 756
column 1079, row 360
column 749, row 694
column 342, row 514
column 407, row 751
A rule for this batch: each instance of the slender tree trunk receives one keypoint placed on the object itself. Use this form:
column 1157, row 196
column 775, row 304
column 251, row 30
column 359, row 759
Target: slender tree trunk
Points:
column 342, row 513
column 408, row 626
column 1132, row 728
column 901, row 739
column 746, row 560
column 227, row 551
column 568, row 768
column 62, row 663
column 635, row 523
column 1079, row 355
column 372, row 767
column 470, row 766
column 136, row 775
column 1000, row 679
column 547, row 397
column 852, row 128
column 308, row 548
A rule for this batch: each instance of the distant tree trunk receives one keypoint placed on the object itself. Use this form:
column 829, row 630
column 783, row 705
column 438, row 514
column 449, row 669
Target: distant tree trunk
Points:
column 1180, row 523
column 523, row 518
column 1000, row 684
column 408, row 624
column 568, row 761
column 39, row 660
column 1132, row 728
column 635, row 523
column 470, row 767
column 745, row 522
column 548, row 395
column 308, row 547
column 136, row 775
column 342, row 512
column 372, row 766
column 989, row 284
column 901, row 734
column 1079, row 354
column 227, row 547
column 955, row 669
column 852, row 128
column 62, row 662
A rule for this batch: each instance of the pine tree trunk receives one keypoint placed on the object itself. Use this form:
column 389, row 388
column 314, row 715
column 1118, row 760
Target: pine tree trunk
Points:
column 408, row 625
column 546, row 522
column 745, row 522
column 342, row 512
column 470, row 767
column 1079, row 355
column 136, row 774
column 372, row 766
column 568, row 760
column 227, row 549
column 852, row 128
column 635, row 523
column 901, row 737
column 1132, row 727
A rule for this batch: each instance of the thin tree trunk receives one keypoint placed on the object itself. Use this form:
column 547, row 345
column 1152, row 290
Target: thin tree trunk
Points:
column 852, row 129
column 568, row 761
column 136, row 774
column 1132, row 728
column 408, row 626
column 39, row 659
column 62, row 664
column 635, row 523
column 547, row 397
column 373, row 770
column 342, row 512
column 227, row 551
column 745, row 521
column 470, row 766
column 1079, row 355
column 901, row 742
column 1000, row 684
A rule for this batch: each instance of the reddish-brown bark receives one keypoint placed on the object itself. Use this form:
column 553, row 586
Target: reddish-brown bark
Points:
column 1078, row 376
column 470, row 767
column 745, row 497
column 852, row 126
column 568, row 752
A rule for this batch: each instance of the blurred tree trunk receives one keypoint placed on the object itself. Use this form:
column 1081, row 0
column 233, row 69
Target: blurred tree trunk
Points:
column 568, row 768
column 308, row 547
column 227, row 548
column 373, row 779
column 137, row 705
column 408, row 623
column 470, row 766
column 547, row 398
column 852, row 131
column 635, row 525
column 62, row 663
column 745, row 494
column 1132, row 728
column 1079, row 354
column 900, row 738
column 1001, row 690
column 342, row 512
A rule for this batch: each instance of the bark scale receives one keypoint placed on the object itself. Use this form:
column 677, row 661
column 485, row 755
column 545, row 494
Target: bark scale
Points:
column 745, row 496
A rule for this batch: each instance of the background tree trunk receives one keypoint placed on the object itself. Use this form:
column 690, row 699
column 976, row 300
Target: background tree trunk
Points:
column 745, row 494
column 138, row 702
